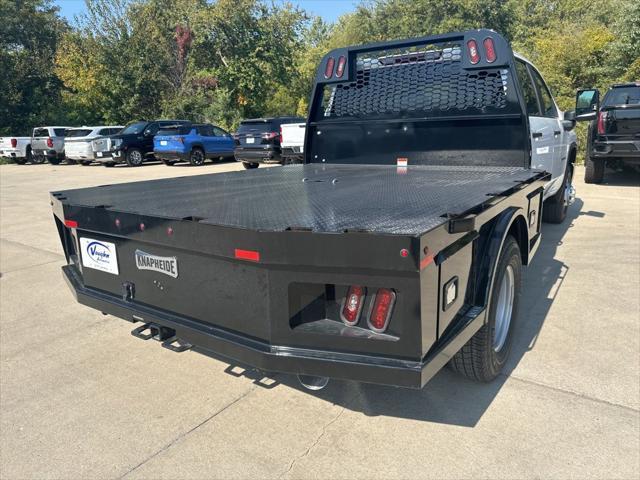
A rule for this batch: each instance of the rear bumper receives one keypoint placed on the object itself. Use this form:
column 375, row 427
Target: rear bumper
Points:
column 263, row 355
column 11, row 153
column 616, row 148
column 257, row 155
column 171, row 155
column 109, row 156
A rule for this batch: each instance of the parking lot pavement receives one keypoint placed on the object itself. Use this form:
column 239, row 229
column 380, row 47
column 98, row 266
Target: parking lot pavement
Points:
column 81, row 398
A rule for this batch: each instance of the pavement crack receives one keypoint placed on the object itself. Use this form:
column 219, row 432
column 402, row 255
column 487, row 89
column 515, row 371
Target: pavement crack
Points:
column 573, row 393
column 184, row 434
column 31, row 247
column 29, row 266
column 315, row 442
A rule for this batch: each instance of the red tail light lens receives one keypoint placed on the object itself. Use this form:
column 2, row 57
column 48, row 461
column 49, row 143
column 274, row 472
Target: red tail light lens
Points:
column 489, row 49
column 50, row 142
column 474, row 54
column 14, row 143
column 270, row 135
column 328, row 69
column 382, row 309
column 352, row 305
column 602, row 118
column 342, row 61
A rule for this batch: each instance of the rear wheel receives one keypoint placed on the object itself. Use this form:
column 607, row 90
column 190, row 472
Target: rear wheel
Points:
column 38, row 159
column 71, row 162
column 196, row 158
column 54, row 160
column 485, row 354
column 20, row 161
column 134, row 157
column 250, row 165
column 109, row 164
column 555, row 208
column 593, row 170
column 85, row 163
column 29, row 155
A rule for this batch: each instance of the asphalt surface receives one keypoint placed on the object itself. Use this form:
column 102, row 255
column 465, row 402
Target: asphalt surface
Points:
column 82, row 398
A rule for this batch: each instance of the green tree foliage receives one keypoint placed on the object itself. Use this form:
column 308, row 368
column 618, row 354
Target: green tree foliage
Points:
column 224, row 60
column 29, row 88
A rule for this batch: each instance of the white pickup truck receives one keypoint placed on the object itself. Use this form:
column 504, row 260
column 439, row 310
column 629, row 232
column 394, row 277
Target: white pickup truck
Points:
column 292, row 142
column 79, row 142
column 17, row 148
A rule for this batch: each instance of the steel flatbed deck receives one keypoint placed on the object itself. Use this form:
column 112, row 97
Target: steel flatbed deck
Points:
column 318, row 198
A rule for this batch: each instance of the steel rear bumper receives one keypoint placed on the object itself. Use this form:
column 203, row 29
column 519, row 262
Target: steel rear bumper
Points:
column 616, row 148
column 276, row 358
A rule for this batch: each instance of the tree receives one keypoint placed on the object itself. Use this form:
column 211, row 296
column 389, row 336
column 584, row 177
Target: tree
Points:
column 30, row 92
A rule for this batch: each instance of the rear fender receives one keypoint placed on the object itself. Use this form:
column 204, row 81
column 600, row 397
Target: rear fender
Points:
column 492, row 236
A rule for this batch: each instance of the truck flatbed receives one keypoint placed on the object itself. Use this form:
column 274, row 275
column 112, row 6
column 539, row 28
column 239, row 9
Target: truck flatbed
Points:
column 319, row 198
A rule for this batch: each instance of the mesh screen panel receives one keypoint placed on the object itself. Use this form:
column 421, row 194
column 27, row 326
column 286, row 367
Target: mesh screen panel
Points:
column 417, row 81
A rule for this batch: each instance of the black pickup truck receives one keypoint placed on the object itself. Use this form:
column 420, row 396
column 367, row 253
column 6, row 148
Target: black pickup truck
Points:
column 613, row 137
column 395, row 249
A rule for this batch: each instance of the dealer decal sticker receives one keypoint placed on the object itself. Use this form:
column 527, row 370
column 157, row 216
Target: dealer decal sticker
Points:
column 166, row 265
column 99, row 255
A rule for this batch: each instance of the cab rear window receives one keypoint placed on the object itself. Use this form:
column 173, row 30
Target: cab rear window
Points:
column 622, row 96
column 77, row 133
column 257, row 127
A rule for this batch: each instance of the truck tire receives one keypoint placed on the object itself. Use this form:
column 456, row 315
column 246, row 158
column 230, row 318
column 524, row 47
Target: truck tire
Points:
column 555, row 208
column 54, row 160
column 197, row 157
column 593, row 170
column 71, row 162
column 169, row 163
column 250, row 165
column 134, row 157
column 29, row 155
column 485, row 354
column 85, row 163
column 109, row 164
column 20, row 161
column 36, row 159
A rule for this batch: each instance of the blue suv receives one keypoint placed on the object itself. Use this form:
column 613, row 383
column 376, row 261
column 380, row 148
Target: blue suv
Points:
column 192, row 143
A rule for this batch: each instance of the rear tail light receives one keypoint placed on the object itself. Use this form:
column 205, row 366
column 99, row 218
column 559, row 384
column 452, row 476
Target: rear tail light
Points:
column 14, row 143
column 489, row 49
column 50, row 142
column 352, row 305
column 602, row 118
column 270, row 135
column 342, row 61
column 474, row 54
column 328, row 69
column 381, row 309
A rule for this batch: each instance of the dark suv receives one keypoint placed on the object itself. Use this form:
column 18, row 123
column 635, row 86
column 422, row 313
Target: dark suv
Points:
column 258, row 140
column 613, row 138
column 134, row 144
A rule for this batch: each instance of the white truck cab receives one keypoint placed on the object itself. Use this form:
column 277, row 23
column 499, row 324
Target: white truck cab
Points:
column 553, row 139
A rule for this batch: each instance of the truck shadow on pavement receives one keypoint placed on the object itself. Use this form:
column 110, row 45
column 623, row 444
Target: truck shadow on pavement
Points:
column 449, row 398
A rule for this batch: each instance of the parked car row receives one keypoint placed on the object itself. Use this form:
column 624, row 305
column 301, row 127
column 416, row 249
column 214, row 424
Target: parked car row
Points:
column 257, row 141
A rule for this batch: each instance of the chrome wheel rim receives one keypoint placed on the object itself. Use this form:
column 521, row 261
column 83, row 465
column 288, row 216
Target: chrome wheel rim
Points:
column 504, row 309
column 136, row 157
column 569, row 191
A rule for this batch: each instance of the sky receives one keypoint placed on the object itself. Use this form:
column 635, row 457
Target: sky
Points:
column 329, row 10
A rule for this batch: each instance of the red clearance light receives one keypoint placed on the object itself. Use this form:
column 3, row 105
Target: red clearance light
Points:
column 250, row 255
column 71, row 223
column 489, row 49
column 328, row 69
column 381, row 309
column 50, row 142
column 14, row 142
column 602, row 117
column 342, row 61
column 352, row 305
column 474, row 54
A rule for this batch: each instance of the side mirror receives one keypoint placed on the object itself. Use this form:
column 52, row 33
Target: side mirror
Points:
column 587, row 104
column 569, row 121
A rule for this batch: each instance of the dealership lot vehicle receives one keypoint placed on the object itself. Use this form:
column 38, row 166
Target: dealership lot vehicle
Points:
column 292, row 142
column 133, row 145
column 78, row 142
column 378, row 260
column 613, row 138
column 258, row 140
column 47, row 143
column 16, row 148
column 192, row 143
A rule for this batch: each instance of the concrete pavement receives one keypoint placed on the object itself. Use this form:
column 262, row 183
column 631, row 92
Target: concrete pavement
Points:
column 81, row 398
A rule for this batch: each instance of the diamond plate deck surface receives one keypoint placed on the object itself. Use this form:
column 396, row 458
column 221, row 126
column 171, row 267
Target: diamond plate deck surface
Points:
column 322, row 198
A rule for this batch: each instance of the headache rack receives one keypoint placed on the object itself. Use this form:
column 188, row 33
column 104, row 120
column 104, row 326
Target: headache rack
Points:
column 461, row 86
